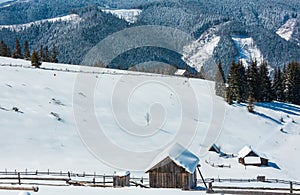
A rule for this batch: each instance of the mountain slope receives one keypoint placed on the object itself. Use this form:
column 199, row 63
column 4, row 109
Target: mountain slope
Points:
column 48, row 100
column 195, row 17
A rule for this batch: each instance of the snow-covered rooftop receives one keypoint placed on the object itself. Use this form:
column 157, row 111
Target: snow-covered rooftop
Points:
column 246, row 150
column 180, row 155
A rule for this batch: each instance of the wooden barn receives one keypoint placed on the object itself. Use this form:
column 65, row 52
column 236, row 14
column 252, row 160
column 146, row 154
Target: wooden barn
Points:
column 174, row 168
column 248, row 156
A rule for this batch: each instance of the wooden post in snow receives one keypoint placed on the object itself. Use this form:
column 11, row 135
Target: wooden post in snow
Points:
column 19, row 178
column 198, row 167
column 291, row 187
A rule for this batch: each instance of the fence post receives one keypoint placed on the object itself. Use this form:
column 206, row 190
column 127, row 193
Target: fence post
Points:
column 291, row 187
column 19, row 178
column 104, row 180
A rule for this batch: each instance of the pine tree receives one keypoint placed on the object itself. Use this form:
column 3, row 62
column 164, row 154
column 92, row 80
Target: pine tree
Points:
column 253, row 81
column 42, row 54
column 26, row 51
column 277, row 85
column 285, row 84
column 265, row 83
column 46, row 57
column 17, row 50
column 4, row 49
column 35, row 59
column 54, row 55
column 293, row 83
column 220, row 81
column 229, row 96
column 232, row 88
column 250, row 106
column 242, row 82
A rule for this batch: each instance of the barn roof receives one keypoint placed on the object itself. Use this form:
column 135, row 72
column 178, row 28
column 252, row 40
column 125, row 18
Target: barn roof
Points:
column 247, row 149
column 215, row 148
column 180, row 156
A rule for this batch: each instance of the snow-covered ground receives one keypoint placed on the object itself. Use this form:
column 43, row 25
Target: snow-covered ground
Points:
column 201, row 50
column 129, row 15
column 19, row 27
column 248, row 51
column 287, row 30
column 48, row 131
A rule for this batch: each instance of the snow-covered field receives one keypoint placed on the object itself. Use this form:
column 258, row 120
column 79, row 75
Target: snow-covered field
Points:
column 58, row 104
column 201, row 50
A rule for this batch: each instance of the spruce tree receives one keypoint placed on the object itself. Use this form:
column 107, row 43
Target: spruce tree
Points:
column 4, row 50
column 35, row 59
column 253, row 81
column 17, row 50
column 277, row 85
column 265, row 83
column 232, row 88
column 250, row 106
column 42, row 54
column 26, row 51
column 220, row 81
column 54, row 55
column 293, row 83
column 285, row 84
column 46, row 57
column 242, row 82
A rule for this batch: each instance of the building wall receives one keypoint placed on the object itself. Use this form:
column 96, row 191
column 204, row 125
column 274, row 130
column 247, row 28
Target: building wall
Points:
column 171, row 175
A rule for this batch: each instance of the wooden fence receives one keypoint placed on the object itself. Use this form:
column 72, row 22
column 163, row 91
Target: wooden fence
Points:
column 16, row 180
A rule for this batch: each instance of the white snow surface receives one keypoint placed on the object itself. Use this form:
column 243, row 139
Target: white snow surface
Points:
column 129, row 15
column 286, row 31
column 19, row 27
column 248, row 51
column 35, row 140
column 201, row 50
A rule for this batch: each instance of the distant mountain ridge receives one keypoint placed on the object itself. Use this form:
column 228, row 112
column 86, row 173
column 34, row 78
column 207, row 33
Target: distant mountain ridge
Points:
column 268, row 26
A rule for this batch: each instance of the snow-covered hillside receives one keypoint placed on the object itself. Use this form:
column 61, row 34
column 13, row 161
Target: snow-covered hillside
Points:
column 201, row 50
column 129, row 15
column 287, row 30
column 19, row 27
column 248, row 51
column 45, row 113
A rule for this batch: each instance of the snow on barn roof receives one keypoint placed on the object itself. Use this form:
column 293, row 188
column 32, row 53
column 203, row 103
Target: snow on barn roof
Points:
column 246, row 150
column 179, row 155
column 180, row 72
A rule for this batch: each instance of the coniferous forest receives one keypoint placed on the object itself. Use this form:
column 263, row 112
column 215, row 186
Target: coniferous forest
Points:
column 256, row 83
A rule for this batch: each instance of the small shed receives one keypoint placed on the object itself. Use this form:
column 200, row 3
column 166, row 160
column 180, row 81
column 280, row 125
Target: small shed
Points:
column 248, row 156
column 174, row 168
column 121, row 179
